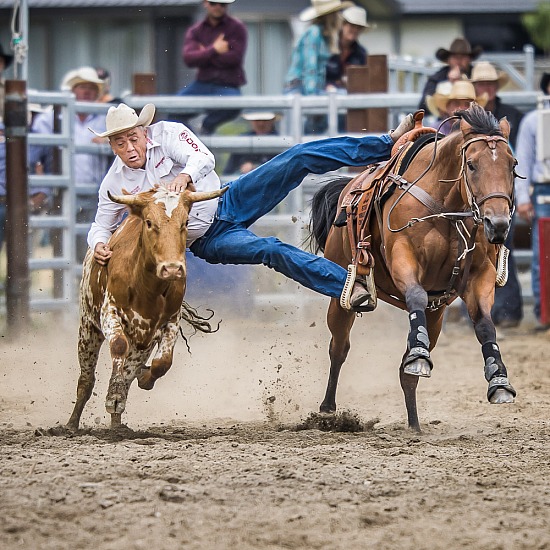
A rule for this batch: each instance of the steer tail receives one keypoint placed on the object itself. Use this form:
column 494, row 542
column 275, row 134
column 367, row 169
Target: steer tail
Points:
column 323, row 211
column 191, row 316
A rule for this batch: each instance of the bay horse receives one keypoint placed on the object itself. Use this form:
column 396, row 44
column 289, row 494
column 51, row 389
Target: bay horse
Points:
column 423, row 245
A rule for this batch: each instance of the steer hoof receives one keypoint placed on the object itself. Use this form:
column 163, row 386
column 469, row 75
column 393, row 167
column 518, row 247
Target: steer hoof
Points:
column 418, row 367
column 115, row 404
column 145, row 380
column 116, row 396
column 502, row 395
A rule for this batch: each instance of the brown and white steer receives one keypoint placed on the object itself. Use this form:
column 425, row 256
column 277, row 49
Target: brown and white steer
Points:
column 135, row 301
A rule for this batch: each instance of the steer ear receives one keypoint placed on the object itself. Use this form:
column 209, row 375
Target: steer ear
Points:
column 197, row 196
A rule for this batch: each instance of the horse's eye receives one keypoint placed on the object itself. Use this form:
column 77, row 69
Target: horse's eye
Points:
column 470, row 165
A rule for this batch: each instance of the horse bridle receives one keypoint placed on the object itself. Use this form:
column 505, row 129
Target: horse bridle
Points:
column 472, row 200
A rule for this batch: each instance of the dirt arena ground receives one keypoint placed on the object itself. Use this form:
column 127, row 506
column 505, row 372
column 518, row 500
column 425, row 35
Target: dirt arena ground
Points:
column 213, row 459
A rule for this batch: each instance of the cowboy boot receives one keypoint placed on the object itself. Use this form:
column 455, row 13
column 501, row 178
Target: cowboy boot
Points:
column 406, row 125
column 363, row 295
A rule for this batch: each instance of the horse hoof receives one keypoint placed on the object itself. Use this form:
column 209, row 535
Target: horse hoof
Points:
column 418, row 367
column 502, row 395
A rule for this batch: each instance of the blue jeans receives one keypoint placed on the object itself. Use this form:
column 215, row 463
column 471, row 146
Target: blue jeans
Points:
column 542, row 210
column 229, row 241
column 216, row 117
column 508, row 301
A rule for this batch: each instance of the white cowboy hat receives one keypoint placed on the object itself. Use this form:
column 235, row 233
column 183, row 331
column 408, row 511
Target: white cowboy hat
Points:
column 260, row 115
column 319, row 8
column 485, row 72
column 356, row 16
column 122, row 118
column 80, row 76
column 460, row 89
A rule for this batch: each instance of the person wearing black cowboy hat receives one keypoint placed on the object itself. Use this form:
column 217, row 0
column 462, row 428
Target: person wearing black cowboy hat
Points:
column 458, row 59
column 5, row 61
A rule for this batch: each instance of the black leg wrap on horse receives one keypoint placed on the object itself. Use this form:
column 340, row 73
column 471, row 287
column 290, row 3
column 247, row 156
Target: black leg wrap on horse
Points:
column 418, row 341
column 495, row 371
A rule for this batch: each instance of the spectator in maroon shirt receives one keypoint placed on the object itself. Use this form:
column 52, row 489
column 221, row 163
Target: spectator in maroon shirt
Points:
column 216, row 47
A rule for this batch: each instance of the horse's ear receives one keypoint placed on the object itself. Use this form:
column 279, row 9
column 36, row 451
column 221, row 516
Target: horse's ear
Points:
column 504, row 127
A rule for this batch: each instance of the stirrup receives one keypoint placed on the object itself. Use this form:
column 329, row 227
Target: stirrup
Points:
column 502, row 265
column 345, row 297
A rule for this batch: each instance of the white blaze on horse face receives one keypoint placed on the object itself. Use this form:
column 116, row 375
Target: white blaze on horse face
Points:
column 170, row 199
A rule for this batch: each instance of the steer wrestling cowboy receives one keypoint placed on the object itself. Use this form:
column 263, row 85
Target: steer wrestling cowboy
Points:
column 169, row 154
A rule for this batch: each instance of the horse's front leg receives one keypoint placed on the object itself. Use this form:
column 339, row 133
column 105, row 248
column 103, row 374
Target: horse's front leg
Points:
column 479, row 298
column 417, row 360
column 339, row 323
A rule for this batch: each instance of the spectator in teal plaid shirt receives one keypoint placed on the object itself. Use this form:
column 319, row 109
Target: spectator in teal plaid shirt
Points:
column 307, row 72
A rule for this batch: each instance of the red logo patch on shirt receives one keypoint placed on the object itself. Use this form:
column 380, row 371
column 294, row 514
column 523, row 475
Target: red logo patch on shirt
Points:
column 184, row 136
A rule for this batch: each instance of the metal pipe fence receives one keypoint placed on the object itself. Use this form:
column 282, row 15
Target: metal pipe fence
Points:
column 293, row 108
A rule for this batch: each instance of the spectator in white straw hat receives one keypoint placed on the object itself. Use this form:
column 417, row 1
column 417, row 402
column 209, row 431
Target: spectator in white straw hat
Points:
column 350, row 51
column 262, row 123
column 450, row 98
column 88, row 168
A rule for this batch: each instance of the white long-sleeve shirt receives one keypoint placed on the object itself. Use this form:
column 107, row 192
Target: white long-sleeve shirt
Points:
column 171, row 149
column 526, row 154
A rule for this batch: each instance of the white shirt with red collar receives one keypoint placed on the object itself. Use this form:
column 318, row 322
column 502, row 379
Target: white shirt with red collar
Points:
column 171, row 149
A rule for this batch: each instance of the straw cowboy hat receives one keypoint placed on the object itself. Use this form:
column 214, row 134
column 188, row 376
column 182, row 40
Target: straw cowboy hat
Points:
column 122, row 118
column 356, row 16
column 260, row 115
column 485, row 72
column 461, row 89
column 460, row 46
column 319, row 8
column 80, row 76
column 8, row 59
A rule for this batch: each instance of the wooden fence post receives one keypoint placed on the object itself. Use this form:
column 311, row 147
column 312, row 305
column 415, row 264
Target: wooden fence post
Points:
column 372, row 78
column 144, row 84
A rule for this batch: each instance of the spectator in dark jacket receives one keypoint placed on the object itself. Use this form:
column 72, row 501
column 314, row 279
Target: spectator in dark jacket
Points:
column 458, row 59
column 507, row 310
column 216, row 47
column 486, row 79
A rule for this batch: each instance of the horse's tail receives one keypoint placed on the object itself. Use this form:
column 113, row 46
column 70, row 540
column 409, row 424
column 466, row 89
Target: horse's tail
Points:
column 323, row 211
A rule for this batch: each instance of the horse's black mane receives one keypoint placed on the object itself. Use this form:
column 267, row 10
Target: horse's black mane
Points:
column 481, row 121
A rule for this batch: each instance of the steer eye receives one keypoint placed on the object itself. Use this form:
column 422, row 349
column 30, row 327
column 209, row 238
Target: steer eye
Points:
column 470, row 165
column 149, row 224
